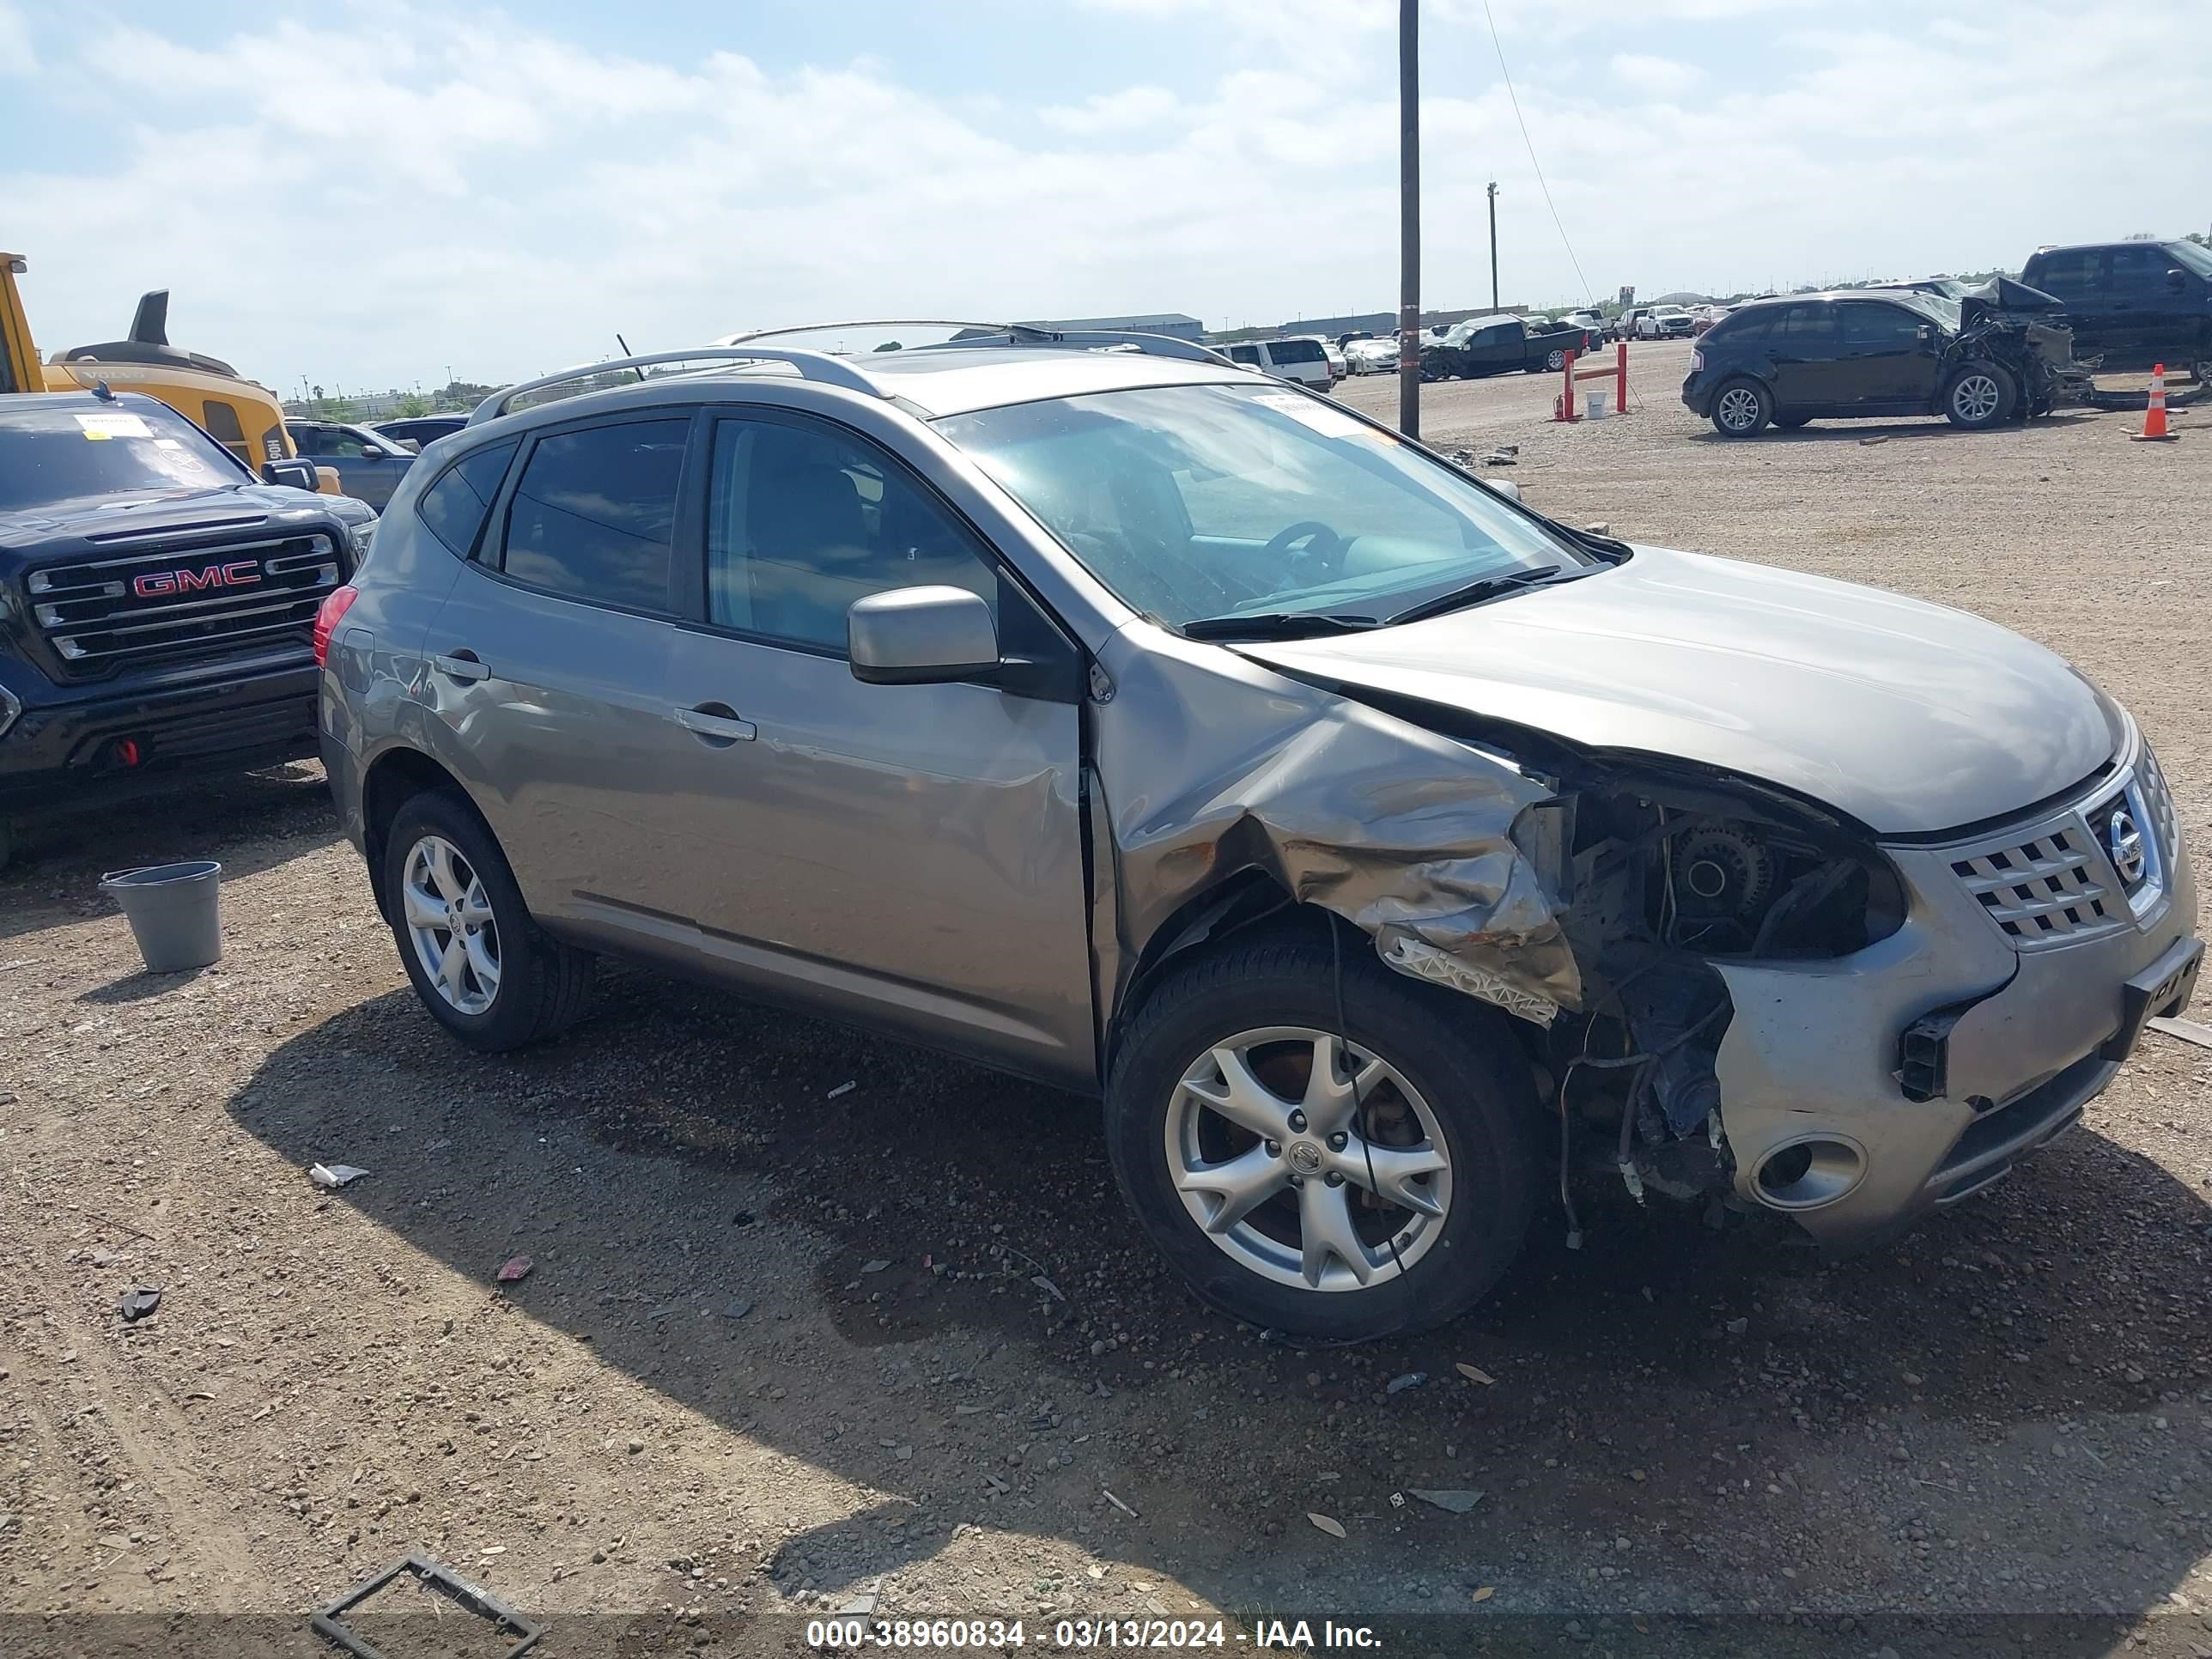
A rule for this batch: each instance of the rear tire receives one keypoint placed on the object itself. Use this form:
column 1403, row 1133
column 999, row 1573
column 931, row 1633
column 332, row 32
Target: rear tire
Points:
column 449, row 889
column 1980, row 395
column 1555, row 361
column 1448, row 1118
column 1741, row 409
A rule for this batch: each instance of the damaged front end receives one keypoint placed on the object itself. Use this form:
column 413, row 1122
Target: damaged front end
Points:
column 1668, row 880
column 2015, row 326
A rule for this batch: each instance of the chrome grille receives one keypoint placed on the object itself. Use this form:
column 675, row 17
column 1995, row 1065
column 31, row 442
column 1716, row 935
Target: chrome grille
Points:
column 2046, row 888
column 2055, row 880
column 178, row 602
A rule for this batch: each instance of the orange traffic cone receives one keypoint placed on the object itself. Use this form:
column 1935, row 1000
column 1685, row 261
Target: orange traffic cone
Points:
column 2154, row 417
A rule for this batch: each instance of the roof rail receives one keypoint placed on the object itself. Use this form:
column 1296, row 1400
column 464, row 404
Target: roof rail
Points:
column 1014, row 334
column 812, row 366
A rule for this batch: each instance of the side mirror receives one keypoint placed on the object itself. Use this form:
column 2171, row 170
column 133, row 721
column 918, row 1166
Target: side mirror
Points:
column 300, row 474
column 1927, row 333
column 2175, row 282
column 412, row 445
column 1506, row 487
column 920, row 636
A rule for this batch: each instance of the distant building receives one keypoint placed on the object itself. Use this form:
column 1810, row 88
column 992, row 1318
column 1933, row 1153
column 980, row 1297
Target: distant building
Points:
column 1173, row 324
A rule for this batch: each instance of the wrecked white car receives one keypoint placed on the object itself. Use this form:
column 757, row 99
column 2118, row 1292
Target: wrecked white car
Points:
column 1382, row 852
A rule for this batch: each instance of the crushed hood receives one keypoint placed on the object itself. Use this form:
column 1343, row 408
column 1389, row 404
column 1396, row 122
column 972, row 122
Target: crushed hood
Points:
column 1908, row 716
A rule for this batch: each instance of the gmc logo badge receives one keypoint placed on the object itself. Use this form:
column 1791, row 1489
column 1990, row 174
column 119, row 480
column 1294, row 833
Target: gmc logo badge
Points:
column 241, row 575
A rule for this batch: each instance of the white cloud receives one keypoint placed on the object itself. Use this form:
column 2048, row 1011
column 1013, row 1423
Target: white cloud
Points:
column 16, row 57
column 371, row 198
column 1660, row 77
column 1113, row 112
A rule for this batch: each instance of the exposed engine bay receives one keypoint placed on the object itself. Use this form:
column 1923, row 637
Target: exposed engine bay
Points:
column 1656, row 886
column 2007, row 323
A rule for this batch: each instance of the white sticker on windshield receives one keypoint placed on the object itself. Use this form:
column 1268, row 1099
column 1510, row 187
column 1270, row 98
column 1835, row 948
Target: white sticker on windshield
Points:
column 1329, row 423
column 105, row 425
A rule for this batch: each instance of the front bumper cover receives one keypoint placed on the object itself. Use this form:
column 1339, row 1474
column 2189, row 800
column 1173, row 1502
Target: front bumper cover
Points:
column 1815, row 1051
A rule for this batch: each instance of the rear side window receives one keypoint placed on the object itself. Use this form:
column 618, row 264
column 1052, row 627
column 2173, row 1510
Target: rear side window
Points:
column 455, row 506
column 2069, row 273
column 1804, row 327
column 1244, row 354
column 1297, row 351
column 594, row 513
column 1741, row 327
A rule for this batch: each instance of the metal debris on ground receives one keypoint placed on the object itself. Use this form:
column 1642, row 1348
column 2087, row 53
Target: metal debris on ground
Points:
column 1334, row 1529
column 137, row 1303
column 1475, row 1374
column 843, row 1089
column 1453, row 1501
column 434, row 1576
column 334, row 1175
column 1410, row 1380
column 2188, row 1030
column 515, row 1267
column 875, row 1266
column 1118, row 1504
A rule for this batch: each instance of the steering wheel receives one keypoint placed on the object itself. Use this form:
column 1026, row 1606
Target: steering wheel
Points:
column 1322, row 559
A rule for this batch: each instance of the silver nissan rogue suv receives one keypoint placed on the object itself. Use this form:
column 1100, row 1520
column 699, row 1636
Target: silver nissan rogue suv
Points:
column 1377, row 848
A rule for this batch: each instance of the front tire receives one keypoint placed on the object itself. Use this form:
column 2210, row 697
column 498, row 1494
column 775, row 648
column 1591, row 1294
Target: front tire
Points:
column 1741, row 409
column 1980, row 396
column 1233, row 1131
column 471, row 950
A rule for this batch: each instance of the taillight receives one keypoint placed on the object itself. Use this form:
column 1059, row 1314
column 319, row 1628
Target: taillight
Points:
column 1698, row 361
column 338, row 602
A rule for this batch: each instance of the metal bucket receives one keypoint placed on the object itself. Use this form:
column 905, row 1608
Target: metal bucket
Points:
column 174, row 913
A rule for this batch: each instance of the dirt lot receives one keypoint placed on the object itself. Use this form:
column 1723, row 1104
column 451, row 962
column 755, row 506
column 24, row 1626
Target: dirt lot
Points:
column 785, row 1350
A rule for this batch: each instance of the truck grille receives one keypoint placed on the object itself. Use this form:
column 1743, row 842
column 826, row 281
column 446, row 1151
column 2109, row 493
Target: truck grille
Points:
column 2060, row 879
column 182, row 602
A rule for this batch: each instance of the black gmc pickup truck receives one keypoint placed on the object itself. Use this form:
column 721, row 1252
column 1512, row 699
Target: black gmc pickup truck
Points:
column 1500, row 343
column 156, row 603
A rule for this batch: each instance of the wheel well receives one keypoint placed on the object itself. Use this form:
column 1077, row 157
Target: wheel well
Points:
column 1228, row 906
column 395, row 779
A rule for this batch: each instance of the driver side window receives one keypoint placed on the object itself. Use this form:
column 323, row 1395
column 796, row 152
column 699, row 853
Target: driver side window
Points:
column 802, row 520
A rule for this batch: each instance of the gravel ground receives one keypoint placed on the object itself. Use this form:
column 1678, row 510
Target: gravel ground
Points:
column 784, row 1349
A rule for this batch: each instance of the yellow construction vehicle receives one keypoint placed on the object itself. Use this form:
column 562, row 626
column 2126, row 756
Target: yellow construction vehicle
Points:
column 243, row 417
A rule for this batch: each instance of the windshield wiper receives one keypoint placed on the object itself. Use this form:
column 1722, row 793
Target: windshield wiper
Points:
column 1473, row 593
column 1276, row 625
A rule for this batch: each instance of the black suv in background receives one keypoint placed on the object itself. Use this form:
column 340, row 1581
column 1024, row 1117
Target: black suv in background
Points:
column 2133, row 304
column 156, row 601
column 1859, row 354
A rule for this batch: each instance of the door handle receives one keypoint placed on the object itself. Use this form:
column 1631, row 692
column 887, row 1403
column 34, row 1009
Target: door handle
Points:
column 716, row 723
column 462, row 665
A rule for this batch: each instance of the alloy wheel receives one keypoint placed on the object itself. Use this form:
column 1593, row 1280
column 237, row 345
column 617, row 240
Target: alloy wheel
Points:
column 1739, row 409
column 450, row 922
column 1975, row 397
column 1308, row 1160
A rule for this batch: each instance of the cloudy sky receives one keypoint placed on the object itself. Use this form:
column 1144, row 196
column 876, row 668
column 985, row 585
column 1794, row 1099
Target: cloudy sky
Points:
column 371, row 197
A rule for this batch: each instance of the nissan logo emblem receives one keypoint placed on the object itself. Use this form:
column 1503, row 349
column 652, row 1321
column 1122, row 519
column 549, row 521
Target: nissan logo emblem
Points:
column 2125, row 842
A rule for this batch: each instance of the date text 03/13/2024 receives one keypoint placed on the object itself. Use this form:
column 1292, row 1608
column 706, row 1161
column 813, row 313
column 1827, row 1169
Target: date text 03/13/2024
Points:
column 1074, row 1635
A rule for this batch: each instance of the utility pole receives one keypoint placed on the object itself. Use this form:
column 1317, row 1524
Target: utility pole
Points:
column 1493, row 243
column 1409, row 218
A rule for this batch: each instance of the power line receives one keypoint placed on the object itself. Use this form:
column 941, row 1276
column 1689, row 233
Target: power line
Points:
column 1589, row 292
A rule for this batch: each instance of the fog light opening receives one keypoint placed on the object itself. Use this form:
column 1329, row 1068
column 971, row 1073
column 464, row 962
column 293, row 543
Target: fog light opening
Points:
column 1804, row 1174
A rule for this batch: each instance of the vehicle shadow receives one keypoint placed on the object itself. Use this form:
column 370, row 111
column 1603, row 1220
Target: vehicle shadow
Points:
column 250, row 821
column 683, row 1155
column 1932, row 427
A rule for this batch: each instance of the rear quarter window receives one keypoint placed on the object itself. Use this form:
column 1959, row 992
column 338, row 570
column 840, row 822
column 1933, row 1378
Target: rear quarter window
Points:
column 1741, row 328
column 454, row 508
column 1297, row 351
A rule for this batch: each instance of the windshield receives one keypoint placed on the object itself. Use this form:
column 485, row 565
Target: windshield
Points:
column 56, row 452
column 1196, row 501
column 2189, row 254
